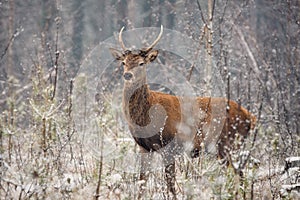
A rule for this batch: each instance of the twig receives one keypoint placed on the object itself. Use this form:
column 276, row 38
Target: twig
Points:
column 202, row 16
column 255, row 67
column 7, row 46
column 56, row 61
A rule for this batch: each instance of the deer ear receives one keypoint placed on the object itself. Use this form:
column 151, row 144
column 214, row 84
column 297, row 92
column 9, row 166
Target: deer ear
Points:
column 118, row 55
column 152, row 55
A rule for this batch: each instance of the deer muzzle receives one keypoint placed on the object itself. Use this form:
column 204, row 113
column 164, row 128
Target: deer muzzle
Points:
column 127, row 76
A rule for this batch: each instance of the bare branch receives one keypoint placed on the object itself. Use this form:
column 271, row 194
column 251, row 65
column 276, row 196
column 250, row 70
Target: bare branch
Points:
column 202, row 16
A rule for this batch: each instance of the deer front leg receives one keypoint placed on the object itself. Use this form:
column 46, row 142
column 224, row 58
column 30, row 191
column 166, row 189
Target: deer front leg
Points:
column 170, row 175
column 146, row 158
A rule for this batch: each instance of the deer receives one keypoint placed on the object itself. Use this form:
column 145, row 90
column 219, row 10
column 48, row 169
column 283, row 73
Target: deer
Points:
column 158, row 122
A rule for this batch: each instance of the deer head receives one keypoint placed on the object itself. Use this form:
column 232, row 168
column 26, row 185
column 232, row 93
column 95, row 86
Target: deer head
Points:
column 134, row 62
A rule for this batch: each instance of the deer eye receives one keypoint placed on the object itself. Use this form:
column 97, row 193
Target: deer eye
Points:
column 123, row 63
column 141, row 63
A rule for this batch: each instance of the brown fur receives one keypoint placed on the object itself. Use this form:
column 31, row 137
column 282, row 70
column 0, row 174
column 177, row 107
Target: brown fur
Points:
column 238, row 119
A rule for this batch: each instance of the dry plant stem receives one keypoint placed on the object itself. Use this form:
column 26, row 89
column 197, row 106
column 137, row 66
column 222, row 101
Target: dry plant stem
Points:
column 56, row 63
column 208, row 24
column 209, row 27
column 1, row 139
column 11, row 125
column 8, row 69
column 71, row 130
column 11, row 25
column 97, row 195
column 209, row 35
column 196, row 56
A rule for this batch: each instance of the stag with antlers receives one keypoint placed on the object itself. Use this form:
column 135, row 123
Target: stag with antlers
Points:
column 156, row 119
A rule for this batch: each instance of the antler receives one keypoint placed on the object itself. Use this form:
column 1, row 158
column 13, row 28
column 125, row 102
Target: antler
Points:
column 147, row 49
column 157, row 39
column 121, row 40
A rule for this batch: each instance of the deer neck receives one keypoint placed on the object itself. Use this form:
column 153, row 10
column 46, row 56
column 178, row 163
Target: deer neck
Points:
column 136, row 103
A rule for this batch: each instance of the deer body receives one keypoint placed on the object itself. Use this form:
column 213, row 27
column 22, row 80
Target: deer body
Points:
column 156, row 119
column 239, row 119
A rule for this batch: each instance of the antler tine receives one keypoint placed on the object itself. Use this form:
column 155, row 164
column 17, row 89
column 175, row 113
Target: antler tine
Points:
column 157, row 39
column 121, row 40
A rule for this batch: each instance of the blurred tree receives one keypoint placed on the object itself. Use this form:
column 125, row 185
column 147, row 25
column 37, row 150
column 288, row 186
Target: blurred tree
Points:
column 77, row 35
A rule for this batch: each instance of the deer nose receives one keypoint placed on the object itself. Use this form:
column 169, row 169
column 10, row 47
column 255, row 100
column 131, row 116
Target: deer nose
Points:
column 127, row 76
